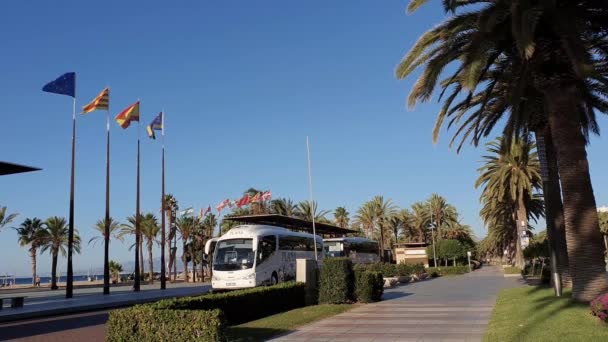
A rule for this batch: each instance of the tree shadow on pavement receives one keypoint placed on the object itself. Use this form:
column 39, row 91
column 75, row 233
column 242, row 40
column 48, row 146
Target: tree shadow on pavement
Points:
column 50, row 325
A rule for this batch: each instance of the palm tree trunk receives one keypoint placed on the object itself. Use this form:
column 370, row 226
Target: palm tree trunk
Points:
column 583, row 236
column 141, row 256
column 519, row 253
column 554, row 209
column 185, row 261
column 168, row 242
column 522, row 218
column 381, row 241
column 150, row 263
column 54, row 272
column 33, row 258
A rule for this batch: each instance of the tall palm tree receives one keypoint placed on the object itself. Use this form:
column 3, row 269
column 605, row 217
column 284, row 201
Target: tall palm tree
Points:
column 341, row 217
column 283, row 206
column 150, row 230
column 383, row 210
column 29, row 234
column 306, row 211
column 55, row 240
column 365, row 217
column 100, row 227
column 6, row 219
column 171, row 208
column 511, row 174
column 557, row 58
column 421, row 220
column 129, row 229
column 442, row 213
column 186, row 225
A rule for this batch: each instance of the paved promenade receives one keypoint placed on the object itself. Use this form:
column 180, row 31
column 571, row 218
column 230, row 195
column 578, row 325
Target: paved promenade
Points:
column 454, row 308
column 47, row 303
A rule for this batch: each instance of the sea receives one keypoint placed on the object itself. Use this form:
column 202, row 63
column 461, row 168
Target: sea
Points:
column 46, row 280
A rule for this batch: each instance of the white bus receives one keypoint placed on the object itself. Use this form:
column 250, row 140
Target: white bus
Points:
column 254, row 255
column 359, row 250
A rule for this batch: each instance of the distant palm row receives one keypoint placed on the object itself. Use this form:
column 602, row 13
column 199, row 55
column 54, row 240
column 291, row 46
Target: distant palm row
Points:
column 378, row 219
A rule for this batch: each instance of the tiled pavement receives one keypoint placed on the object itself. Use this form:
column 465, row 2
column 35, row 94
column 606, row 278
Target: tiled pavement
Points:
column 443, row 309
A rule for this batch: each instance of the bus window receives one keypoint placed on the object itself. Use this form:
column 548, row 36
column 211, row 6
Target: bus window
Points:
column 266, row 246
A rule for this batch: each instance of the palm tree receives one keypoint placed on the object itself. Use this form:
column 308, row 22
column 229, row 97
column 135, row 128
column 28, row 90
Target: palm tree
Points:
column 129, row 229
column 603, row 219
column 511, row 174
column 383, row 211
column 365, row 217
column 283, row 206
column 171, row 208
column 341, row 217
column 421, row 220
column 556, row 58
column 306, row 211
column 442, row 213
column 150, row 230
column 115, row 269
column 186, row 226
column 29, row 233
column 5, row 218
column 100, row 227
column 54, row 239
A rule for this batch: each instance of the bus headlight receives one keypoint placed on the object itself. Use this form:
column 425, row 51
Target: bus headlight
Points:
column 249, row 276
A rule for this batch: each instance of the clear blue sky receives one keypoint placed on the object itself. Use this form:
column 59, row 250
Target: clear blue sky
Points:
column 242, row 83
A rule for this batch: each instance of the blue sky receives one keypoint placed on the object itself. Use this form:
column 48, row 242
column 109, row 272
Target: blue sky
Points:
column 243, row 83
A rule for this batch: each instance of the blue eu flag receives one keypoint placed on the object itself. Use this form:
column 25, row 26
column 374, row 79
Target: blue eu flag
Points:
column 64, row 85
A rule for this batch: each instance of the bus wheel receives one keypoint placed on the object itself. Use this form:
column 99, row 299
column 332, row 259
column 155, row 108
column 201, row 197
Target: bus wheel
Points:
column 274, row 279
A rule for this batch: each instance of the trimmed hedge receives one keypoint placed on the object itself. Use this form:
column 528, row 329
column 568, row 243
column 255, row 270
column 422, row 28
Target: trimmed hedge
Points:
column 369, row 286
column 145, row 323
column 336, row 281
column 450, row 270
column 242, row 306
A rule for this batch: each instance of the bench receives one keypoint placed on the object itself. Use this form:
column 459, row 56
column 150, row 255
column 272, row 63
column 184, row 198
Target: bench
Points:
column 16, row 302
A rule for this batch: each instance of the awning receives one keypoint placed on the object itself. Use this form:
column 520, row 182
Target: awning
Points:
column 291, row 223
column 10, row 168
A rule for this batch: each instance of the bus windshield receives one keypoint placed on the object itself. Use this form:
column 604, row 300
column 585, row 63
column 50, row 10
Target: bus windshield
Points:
column 333, row 248
column 233, row 254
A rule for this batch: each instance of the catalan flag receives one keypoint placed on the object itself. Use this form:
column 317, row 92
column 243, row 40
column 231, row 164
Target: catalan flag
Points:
column 102, row 101
column 155, row 125
column 126, row 116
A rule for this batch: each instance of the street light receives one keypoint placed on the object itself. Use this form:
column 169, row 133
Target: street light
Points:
column 433, row 236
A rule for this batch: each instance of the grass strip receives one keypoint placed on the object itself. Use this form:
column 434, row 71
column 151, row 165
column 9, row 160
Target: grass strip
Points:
column 533, row 313
column 267, row 327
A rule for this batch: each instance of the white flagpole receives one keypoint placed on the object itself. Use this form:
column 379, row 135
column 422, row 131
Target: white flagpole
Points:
column 312, row 207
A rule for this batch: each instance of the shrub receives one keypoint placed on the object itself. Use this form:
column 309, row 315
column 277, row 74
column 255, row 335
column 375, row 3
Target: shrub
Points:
column 243, row 305
column 389, row 270
column 418, row 269
column 336, row 281
column 450, row 270
column 145, row 323
column 404, row 269
column 599, row 307
column 369, row 286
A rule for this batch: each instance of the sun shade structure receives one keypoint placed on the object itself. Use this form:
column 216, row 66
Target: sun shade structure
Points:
column 292, row 223
column 10, row 168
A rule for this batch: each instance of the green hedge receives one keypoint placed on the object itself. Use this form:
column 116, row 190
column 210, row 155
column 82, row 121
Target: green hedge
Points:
column 336, row 281
column 369, row 286
column 450, row 270
column 145, row 323
column 392, row 270
column 244, row 305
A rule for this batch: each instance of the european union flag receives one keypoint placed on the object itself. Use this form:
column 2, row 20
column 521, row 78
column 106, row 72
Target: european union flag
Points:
column 155, row 125
column 64, row 85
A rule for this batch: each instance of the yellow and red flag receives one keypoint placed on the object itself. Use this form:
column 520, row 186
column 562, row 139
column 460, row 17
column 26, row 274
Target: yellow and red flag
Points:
column 130, row 114
column 102, row 101
column 256, row 198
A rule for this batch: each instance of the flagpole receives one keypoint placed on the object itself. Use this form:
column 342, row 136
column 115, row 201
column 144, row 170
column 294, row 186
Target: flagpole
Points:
column 137, row 231
column 163, row 280
column 69, row 280
column 106, row 255
column 312, row 207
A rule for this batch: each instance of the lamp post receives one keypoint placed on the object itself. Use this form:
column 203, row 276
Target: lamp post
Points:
column 433, row 236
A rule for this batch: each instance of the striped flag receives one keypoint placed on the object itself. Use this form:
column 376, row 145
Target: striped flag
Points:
column 102, row 101
column 126, row 116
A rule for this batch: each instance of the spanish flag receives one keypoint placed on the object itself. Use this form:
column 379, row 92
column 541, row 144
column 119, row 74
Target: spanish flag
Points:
column 102, row 101
column 130, row 114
